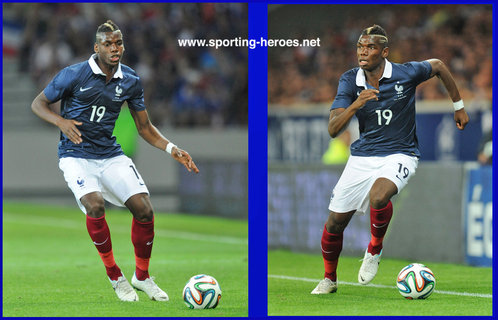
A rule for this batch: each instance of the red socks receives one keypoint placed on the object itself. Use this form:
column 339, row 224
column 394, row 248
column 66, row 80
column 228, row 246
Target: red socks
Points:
column 101, row 237
column 331, row 249
column 332, row 243
column 379, row 221
column 142, row 237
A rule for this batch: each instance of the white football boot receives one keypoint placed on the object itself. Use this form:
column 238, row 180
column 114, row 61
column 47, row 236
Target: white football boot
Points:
column 369, row 267
column 123, row 289
column 150, row 288
column 325, row 286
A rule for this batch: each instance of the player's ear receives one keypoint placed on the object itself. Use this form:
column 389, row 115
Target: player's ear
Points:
column 385, row 52
column 96, row 48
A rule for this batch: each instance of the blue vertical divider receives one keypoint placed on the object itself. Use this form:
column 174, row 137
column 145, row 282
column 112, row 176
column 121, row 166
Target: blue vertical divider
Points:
column 258, row 162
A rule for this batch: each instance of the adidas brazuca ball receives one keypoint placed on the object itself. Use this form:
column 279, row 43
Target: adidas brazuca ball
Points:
column 202, row 292
column 416, row 281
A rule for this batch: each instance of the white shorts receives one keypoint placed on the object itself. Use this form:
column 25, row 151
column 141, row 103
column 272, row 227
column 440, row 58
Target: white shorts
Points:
column 116, row 178
column 353, row 188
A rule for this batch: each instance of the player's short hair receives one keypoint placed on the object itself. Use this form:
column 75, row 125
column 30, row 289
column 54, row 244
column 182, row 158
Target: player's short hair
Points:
column 376, row 30
column 108, row 26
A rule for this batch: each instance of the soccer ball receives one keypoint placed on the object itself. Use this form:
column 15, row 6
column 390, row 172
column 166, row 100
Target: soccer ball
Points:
column 416, row 281
column 202, row 292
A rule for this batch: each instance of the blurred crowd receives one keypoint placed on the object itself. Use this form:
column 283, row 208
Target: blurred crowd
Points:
column 459, row 35
column 183, row 86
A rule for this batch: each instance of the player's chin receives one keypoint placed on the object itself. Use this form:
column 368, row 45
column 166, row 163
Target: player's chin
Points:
column 363, row 66
column 366, row 67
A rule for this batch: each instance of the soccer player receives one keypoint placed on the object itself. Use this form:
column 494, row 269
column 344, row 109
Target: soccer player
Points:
column 382, row 96
column 94, row 165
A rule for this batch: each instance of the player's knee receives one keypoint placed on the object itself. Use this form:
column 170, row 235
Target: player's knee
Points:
column 95, row 209
column 336, row 223
column 379, row 201
column 145, row 214
column 335, row 228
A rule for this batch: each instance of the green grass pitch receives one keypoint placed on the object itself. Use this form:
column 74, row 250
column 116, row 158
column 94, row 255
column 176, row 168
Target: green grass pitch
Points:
column 52, row 269
column 460, row 290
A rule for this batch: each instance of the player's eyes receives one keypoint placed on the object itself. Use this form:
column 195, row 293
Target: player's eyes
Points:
column 368, row 47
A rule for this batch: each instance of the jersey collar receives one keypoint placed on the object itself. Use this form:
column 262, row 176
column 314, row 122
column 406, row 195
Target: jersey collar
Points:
column 360, row 76
column 96, row 69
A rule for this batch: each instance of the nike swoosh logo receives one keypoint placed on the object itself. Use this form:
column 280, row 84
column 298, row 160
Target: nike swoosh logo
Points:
column 324, row 250
column 378, row 227
column 83, row 90
column 99, row 244
column 149, row 243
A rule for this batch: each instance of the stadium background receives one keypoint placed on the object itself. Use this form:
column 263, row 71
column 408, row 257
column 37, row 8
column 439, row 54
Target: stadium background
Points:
column 447, row 206
column 196, row 96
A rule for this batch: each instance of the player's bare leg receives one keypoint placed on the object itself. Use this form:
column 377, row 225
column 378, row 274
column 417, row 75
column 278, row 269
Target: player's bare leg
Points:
column 99, row 233
column 142, row 236
column 381, row 211
column 331, row 245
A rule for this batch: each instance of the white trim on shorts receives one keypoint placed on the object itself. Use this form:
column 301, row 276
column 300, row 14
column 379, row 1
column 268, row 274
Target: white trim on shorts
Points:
column 353, row 188
column 116, row 178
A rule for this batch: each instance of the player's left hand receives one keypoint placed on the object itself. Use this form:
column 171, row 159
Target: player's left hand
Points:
column 184, row 158
column 461, row 119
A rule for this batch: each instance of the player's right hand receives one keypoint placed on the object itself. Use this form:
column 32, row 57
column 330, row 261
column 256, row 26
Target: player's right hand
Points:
column 184, row 158
column 461, row 119
column 68, row 127
column 367, row 95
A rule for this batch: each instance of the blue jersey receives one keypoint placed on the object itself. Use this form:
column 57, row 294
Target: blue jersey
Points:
column 86, row 97
column 387, row 126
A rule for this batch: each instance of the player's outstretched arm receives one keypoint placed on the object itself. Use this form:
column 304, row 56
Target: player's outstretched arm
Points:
column 154, row 137
column 440, row 70
column 40, row 107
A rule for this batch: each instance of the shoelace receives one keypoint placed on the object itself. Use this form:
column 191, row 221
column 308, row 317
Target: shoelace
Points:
column 371, row 257
column 124, row 281
column 324, row 283
column 127, row 290
column 153, row 285
column 115, row 283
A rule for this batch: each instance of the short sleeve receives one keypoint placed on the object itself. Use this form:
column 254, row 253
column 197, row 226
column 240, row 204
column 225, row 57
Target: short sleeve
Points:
column 60, row 86
column 344, row 98
column 421, row 70
column 136, row 102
